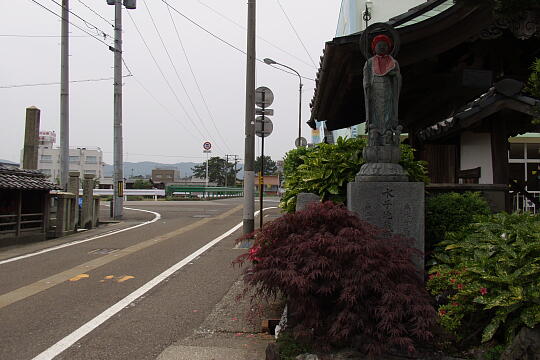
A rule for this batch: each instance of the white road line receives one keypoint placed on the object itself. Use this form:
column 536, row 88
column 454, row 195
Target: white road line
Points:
column 84, row 330
column 156, row 218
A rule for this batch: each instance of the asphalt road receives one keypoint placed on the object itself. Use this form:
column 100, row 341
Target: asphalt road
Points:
column 45, row 299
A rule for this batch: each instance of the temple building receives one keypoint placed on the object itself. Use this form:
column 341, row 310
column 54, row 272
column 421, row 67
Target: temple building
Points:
column 463, row 102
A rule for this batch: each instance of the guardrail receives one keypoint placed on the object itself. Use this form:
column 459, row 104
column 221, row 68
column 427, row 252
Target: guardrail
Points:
column 213, row 192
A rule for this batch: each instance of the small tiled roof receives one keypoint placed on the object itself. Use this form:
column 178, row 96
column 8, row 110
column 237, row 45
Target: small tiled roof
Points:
column 12, row 178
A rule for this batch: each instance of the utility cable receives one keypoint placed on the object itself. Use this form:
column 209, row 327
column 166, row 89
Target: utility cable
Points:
column 176, row 72
column 78, row 27
column 258, row 37
column 161, row 155
column 57, row 83
column 86, row 22
column 96, row 13
column 196, row 82
column 166, row 80
column 224, row 41
column 162, row 106
column 296, row 33
column 38, row 36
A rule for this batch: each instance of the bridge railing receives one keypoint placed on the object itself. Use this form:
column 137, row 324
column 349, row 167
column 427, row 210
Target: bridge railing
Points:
column 212, row 192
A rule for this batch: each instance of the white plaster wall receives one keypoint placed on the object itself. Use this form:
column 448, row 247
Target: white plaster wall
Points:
column 350, row 17
column 475, row 152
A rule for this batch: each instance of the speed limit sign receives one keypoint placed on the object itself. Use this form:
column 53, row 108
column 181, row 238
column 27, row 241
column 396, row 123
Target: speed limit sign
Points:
column 207, row 145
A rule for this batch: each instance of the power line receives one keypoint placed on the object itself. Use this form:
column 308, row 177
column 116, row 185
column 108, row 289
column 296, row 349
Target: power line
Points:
column 95, row 12
column 203, row 28
column 258, row 37
column 78, row 27
column 176, row 71
column 57, row 83
column 165, row 78
column 86, row 22
column 37, row 36
column 160, row 155
column 296, row 33
column 224, row 41
column 196, row 82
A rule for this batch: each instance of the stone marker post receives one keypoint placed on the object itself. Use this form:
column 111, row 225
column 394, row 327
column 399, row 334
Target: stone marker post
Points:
column 31, row 139
column 381, row 193
column 88, row 201
column 73, row 187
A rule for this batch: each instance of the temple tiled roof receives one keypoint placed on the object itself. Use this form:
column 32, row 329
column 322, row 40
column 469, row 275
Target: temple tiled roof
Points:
column 506, row 93
column 12, row 178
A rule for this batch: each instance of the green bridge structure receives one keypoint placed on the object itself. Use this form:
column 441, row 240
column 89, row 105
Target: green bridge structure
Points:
column 212, row 192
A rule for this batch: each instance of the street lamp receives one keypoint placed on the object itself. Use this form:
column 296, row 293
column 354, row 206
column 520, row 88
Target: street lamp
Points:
column 298, row 142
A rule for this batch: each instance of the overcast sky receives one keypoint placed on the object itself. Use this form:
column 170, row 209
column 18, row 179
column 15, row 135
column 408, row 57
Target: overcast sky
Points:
column 161, row 131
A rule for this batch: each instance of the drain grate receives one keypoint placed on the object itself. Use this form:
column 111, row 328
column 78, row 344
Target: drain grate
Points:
column 102, row 251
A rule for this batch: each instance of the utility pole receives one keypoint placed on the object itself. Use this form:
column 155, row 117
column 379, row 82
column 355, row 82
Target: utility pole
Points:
column 249, row 146
column 236, row 158
column 226, row 166
column 64, row 97
column 118, row 186
column 118, row 201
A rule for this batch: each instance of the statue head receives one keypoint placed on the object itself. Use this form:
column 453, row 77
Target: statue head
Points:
column 381, row 45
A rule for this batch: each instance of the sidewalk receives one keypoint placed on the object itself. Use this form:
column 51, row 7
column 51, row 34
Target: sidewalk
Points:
column 225, row 334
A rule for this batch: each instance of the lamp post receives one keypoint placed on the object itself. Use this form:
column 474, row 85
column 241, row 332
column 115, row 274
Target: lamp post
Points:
column 299, row 142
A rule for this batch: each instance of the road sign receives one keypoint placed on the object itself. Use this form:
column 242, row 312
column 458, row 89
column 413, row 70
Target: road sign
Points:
column 207, row 145
column 267, row 112
column 268, row 126
column 263, row 92
column 207, row 151
column 300, row 142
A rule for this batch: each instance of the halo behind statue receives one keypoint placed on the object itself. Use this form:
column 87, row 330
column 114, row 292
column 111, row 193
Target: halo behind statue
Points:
column 376, row 29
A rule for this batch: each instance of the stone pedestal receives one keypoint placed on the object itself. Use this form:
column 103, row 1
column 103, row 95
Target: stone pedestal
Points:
column 65, row 202
column 73, row 187
column 395, row 206
column 88, row 201
column 31, row 139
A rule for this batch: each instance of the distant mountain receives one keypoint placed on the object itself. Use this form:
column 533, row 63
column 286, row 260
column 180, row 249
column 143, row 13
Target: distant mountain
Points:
column 145, row 168
column 2, row 161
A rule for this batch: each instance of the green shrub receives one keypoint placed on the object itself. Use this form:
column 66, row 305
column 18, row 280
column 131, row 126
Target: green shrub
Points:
column 451, row 212
column 326, row 169
column 489, row 275
column 347, row 282
column 293, row 159
column 289, row 347
column 533, row 88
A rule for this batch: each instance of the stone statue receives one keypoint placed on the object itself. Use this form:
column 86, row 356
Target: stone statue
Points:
column 382, row 85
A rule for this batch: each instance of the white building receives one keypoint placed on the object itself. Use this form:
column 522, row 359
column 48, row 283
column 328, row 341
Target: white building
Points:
column 85, row 160
column 351, row 16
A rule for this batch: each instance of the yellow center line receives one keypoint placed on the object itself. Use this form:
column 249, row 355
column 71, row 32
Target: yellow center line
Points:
column 47, row 283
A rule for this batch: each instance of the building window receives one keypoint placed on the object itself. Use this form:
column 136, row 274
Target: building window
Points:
column 74, row 159
column 46, row 159
column 525, row 165
column 533, row 151
column 91, row 159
